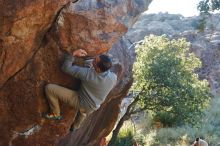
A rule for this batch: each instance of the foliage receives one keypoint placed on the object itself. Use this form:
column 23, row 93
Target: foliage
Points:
column 128, row 136
column 125, row 136
column 167, row 119
column 202, row 24
column 208, row 129
column 206, row 6
column 165, row 79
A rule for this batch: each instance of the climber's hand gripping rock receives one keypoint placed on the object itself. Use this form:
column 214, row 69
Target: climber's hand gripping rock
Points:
column 79, row 53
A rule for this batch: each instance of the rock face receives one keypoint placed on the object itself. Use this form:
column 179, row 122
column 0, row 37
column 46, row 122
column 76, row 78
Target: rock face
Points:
column 23, row 25
column 33, row 37
column 205, row 44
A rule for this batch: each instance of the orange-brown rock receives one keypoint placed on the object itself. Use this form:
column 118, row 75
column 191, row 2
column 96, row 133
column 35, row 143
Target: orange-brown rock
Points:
column 23, row 24
column 33, row 36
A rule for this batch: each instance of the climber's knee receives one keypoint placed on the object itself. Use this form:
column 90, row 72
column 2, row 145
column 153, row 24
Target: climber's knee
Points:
column 49, row 88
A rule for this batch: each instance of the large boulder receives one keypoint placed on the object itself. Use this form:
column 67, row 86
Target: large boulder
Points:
column 33, row 37
column 23, row 25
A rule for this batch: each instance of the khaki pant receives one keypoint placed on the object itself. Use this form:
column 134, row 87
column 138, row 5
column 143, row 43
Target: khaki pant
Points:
column 55, row 93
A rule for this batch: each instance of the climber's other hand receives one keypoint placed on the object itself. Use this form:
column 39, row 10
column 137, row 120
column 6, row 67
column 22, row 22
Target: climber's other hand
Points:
column 80, row 53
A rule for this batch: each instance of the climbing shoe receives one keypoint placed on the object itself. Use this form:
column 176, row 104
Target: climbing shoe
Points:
column 52, row 116
column 73, row 128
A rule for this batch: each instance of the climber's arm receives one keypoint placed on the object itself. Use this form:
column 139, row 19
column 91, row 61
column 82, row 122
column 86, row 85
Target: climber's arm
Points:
column 74, row 70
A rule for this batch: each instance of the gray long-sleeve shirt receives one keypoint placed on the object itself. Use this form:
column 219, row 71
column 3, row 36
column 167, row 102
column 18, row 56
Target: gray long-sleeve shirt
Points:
column 94, row 86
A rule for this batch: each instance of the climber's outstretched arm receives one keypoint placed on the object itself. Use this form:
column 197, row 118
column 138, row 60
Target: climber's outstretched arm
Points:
column 74, row 70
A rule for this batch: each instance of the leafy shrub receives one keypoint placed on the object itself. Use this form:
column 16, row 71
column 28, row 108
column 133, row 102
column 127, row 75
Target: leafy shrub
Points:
column 125, row 136
column 208, row 129
column 167, row 119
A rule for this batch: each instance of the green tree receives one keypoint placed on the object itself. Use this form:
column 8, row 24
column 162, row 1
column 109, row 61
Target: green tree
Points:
column 165, row 80
column 206, row 6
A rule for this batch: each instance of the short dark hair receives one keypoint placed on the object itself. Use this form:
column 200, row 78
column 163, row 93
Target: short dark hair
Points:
column 105, row 63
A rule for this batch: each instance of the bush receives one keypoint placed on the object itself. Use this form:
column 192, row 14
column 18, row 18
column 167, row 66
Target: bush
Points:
column 125, row 136
column 208, row 129
column 167, row 119
column 128, row 136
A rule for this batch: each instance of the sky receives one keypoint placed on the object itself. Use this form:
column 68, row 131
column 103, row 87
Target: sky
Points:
column 186, row 8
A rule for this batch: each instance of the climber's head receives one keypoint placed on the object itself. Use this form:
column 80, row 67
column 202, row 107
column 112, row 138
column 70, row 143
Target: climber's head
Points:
column 102, row 63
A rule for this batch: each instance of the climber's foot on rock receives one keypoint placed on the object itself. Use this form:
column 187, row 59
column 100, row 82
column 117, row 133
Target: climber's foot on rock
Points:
column 73, row 129
column 52, row 116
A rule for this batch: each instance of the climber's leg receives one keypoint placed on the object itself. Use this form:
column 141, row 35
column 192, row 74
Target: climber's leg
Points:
column 78, row 120
column 55, row 92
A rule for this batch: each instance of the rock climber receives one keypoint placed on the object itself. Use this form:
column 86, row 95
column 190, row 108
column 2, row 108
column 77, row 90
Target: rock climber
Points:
column 96, row 82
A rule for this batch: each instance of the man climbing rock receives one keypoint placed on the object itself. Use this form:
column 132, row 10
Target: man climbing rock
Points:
column 96, row 83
